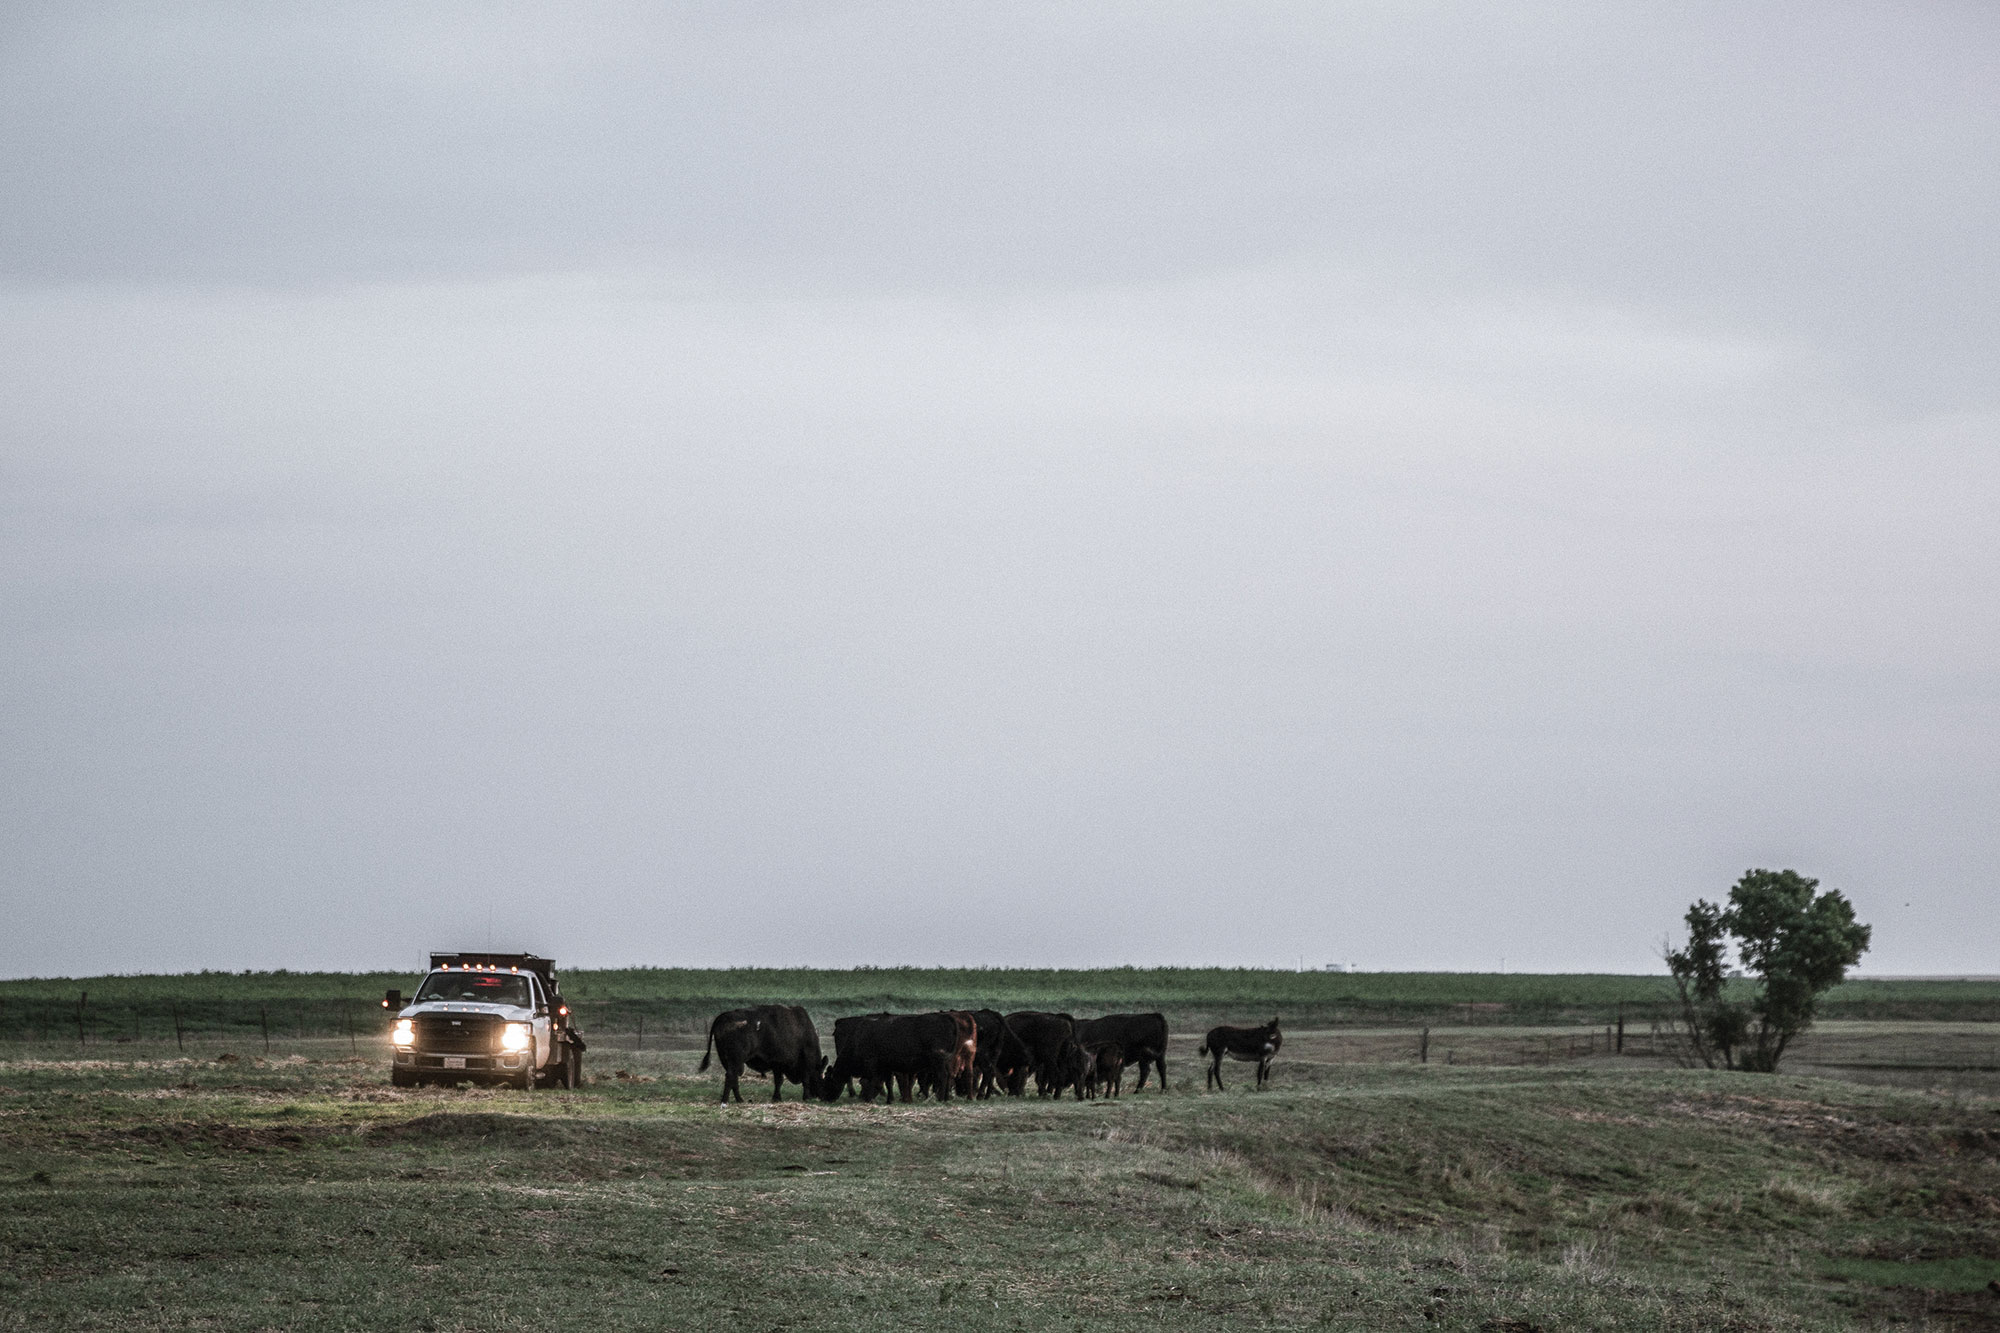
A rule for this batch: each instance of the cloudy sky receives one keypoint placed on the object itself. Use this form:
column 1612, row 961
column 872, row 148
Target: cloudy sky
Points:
column 1414, row 485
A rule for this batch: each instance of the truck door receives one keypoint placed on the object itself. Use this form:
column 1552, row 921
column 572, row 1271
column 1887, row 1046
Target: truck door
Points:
column 543, row 1043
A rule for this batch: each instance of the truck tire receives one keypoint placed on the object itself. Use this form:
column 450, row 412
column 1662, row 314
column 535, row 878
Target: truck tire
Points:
column 402, row 1078
column 572, row 1068
column 523, row 1081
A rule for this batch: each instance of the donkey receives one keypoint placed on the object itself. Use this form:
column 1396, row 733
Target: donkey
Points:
column 1258, row 1044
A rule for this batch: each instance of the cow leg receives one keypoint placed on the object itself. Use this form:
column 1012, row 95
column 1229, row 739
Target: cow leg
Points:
column 1215, row 1072
column 777, row 1085
column 1160, row 1063
column 729, row 1073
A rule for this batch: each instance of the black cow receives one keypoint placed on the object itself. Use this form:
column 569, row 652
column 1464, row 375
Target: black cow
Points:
column 774, row 1039
column 1002, row 1062
column 1043, row 1035
column 1258, row 1044
column 1090, row 1068
column 847, row 1059
column 1107, row 1077
column 1142, row 1038
column 878, row 1050
column 1074, row 1067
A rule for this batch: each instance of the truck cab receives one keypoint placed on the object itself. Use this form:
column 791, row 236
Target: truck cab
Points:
column 485, row 1018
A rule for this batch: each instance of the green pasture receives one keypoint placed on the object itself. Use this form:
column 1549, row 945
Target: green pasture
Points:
column 321, row 1004
column 150, row 1191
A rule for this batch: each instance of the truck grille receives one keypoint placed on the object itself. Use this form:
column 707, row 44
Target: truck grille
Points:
column 458, row 1034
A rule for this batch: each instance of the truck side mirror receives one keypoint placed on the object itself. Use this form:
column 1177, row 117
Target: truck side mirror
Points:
column 393, row 1000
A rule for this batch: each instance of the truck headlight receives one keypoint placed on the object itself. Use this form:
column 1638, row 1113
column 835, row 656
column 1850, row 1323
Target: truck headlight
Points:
column 405, row 1033
column 516, row 1037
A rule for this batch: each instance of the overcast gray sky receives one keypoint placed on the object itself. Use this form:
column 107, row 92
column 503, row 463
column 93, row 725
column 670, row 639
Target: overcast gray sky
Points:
column 1414, row 485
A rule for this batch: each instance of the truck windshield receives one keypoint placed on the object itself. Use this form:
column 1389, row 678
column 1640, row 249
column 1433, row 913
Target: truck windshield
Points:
column 476, row 987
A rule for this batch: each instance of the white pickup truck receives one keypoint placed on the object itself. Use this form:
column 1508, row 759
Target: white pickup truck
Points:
column 485, row 1018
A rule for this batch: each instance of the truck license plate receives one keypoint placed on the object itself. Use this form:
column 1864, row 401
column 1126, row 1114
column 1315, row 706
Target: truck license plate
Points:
column 454, row 1062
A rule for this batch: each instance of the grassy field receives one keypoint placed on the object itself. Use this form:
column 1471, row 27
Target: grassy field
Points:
column 152, row 1190
column 309, row 1004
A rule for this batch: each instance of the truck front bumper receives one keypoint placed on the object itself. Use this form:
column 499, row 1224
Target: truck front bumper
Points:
column 511, row 1062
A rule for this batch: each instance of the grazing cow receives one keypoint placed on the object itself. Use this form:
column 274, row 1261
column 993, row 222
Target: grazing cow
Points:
column 1073, row 1069
column 1142, row 1038
column 1258, row 1044
column 1091, row 1068
column 1110, row 1068
column 774, row 1039
column 1001, row 1055
column 847, row 1057
column 904, row 1049
column 1043, row 1035
column 964, row 1053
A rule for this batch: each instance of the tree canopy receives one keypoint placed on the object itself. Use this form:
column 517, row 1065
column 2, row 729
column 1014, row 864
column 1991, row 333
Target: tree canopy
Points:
column 1796, row 943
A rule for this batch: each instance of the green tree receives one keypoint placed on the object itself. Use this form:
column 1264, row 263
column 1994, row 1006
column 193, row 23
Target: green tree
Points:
column 1795, row 943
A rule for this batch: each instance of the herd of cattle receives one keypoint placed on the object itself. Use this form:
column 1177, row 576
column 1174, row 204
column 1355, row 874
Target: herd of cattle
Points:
column 967, row 1052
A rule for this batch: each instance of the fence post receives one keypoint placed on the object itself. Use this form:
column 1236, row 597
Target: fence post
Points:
column 264, row 1022
column 1424, row 1047
column 1621, row 1028
column 180, row 1043
column 347, row 1015
column 81, row 1001
column 640, row 1043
